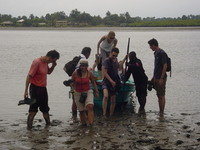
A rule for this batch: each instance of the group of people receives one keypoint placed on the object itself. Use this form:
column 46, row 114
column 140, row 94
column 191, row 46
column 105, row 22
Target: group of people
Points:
column 111, row 71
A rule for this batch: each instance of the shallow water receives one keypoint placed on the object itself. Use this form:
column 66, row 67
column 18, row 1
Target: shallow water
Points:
column 20, row 47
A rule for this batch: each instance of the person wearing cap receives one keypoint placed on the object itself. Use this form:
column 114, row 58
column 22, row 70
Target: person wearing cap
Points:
column 85, row 54
column 37, row 79
column 83, row 95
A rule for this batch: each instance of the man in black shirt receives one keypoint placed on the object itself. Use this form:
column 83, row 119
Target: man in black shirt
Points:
column 160, row 76
column 136, row 69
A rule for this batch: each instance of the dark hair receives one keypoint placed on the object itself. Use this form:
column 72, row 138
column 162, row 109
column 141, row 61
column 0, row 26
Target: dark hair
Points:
column 132, row 55
column 53, row 54
column 116, row 50
column 153, row 42
column 79, row 73
column 86, row 50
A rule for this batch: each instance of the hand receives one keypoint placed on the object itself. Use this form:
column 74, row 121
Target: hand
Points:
column 113, row 83
column 54, row 64
column 97, row 94
column 25, row 94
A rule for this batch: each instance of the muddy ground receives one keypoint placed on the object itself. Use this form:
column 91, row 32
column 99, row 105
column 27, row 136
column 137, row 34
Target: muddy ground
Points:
column 124, row 131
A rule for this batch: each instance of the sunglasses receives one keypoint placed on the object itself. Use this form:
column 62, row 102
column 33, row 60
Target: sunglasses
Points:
column 114, row 55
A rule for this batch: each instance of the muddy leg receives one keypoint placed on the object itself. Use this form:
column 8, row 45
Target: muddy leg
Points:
column 30, row 118
column 46, row 118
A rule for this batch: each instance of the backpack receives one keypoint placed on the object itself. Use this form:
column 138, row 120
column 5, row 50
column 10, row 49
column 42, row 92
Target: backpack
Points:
column 70, row 66
column 169, row 67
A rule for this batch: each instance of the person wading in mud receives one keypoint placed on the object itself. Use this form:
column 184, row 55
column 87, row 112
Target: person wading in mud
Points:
column 135, row 68
column 160, row 77
column 85, row 54
column 37, row 79
column 111, row 82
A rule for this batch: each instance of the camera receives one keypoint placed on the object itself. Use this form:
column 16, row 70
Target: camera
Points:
column 150, row 85
column 68, row 82
column 83, row 97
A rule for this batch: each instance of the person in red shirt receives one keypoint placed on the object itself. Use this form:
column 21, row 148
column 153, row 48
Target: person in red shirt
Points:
column 37, row 79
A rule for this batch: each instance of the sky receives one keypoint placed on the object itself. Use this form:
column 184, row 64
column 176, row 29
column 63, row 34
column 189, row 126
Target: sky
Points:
column 141, row 8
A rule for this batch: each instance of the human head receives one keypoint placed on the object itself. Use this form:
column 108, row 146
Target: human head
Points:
column 52, row 56
column 83, row 67
column 86, row 52
column 111, row 35
column 114, row 53
column 132, row 55
column 153, row 43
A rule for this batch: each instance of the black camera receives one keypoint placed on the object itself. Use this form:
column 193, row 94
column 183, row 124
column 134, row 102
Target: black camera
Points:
column 150, row 85
column 68, row 82
column 83, row 97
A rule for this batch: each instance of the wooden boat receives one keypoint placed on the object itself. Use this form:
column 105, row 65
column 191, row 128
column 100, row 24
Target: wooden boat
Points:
column 123, row 96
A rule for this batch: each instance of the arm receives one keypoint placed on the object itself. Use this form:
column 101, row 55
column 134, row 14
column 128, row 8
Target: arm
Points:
column 163, row 71
column 28, row 78
column 94, row 66
column 163, row 74
column 115, row 43
column 121, row 63
column 94, row 84
column 52, row 67
column 128, row 73
column 98, row 45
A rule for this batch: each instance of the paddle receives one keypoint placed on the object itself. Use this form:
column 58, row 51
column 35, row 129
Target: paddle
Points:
column 124, row 81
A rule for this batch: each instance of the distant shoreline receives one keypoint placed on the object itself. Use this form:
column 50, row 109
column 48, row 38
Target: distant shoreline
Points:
column 101, row 28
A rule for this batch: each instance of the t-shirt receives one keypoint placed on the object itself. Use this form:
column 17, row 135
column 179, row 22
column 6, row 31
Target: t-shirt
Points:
column 160, row 60
column 38, row 72
column 112, row 67
column 136, row 69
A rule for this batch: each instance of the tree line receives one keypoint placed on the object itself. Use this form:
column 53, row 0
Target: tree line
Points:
column 79, row 19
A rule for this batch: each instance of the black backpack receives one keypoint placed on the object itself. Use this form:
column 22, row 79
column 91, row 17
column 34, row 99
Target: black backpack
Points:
column 70, row 66
column 169, row 66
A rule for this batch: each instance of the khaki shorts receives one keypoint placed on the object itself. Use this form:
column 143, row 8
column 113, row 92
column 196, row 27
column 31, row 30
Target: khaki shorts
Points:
column 89, row 100
column 160, row 89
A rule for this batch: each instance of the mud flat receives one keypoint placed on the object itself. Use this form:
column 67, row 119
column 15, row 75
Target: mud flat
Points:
column 122, row 131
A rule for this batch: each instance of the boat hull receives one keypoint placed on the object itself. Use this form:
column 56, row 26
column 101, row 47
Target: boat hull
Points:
column 123, row 96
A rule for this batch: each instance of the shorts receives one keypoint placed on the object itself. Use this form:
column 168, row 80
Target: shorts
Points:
column 141, row 90
column 41, row 96
column 160, row 89
column 111, row 90
column 89, row 100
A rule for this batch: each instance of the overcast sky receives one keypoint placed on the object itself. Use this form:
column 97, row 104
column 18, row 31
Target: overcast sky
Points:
column 141, row 8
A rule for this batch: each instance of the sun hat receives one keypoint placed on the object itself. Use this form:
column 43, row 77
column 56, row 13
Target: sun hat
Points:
column 83, row 63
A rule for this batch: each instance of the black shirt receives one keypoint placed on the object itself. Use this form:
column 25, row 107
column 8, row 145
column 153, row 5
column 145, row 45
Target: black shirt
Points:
column 136, row 69
column 160, row 60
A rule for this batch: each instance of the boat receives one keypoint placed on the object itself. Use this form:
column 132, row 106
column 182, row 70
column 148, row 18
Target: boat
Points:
column 123, row 96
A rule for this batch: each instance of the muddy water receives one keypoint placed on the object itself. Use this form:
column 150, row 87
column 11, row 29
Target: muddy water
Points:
column 179, row 129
